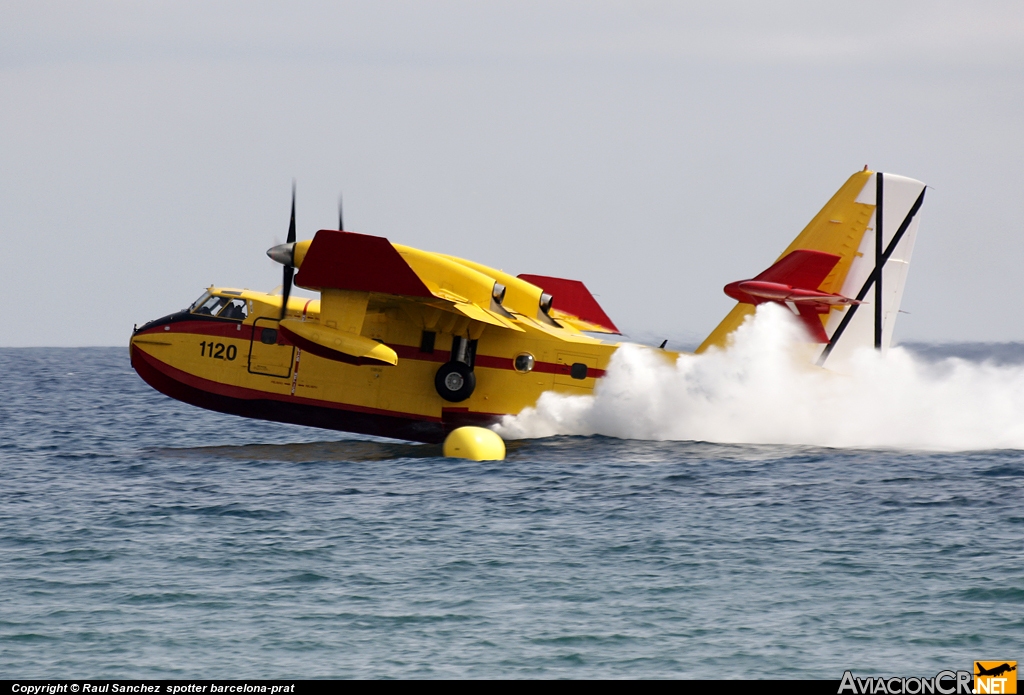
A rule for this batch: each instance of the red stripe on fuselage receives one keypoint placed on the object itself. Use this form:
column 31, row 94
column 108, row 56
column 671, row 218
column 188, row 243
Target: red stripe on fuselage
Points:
column 243, row 393
column 296, row 412
column 405, row 352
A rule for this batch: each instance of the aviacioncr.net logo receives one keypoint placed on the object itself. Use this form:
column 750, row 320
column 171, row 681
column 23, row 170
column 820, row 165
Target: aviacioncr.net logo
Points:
column 942, row 683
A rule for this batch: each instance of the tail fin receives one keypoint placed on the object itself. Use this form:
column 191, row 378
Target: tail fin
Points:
column 868, row 228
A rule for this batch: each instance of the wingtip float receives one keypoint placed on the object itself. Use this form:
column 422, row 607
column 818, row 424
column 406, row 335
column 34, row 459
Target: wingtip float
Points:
column 412, row 344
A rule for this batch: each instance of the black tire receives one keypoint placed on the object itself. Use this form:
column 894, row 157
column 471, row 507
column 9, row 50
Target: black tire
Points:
column 455, row 381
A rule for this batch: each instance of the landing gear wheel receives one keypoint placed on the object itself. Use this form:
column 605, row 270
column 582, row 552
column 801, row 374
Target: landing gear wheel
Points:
column 455, row 381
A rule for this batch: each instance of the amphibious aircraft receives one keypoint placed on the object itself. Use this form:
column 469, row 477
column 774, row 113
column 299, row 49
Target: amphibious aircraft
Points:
column 412, row 344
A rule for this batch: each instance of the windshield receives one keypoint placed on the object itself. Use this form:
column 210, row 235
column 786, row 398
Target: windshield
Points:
column 224, row 307
column 199, row 302
column 209, row 305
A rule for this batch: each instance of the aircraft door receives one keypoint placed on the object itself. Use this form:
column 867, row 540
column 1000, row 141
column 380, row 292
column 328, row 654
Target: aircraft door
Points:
column 268, row 354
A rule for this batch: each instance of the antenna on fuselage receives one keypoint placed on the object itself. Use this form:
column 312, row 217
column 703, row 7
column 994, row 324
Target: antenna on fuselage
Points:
column 341, row 219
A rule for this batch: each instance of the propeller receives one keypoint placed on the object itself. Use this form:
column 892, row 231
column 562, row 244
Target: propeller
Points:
column 289, row 269
column 285, row 255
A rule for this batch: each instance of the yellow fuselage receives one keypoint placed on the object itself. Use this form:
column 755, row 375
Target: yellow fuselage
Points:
column 243, row 365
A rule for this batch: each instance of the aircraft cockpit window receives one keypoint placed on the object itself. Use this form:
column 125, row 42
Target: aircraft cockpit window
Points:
column 211, row 306
column 236, row 309
column 198, row 303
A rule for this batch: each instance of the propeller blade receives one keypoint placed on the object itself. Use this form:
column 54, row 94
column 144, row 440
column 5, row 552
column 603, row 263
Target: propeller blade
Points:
column 287, row 283
column 291, row 225
column 341, row 219
column 289, row 271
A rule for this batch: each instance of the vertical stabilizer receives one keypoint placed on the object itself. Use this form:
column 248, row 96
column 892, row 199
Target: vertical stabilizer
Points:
column 869, row 226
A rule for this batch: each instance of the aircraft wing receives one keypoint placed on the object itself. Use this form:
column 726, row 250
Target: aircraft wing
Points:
column 348, row 261
column 579, row 324
column 574, row 304
column 358, row 262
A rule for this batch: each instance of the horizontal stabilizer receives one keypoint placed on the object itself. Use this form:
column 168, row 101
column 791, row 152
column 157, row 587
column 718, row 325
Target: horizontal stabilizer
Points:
column 572, row 297
column 794, row 281
column 802, row 268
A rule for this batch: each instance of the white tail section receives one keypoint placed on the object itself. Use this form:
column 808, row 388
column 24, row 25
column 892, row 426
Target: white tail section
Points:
column 887, row 244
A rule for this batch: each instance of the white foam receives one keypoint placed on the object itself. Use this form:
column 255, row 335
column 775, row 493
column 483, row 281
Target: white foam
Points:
column 763, row 389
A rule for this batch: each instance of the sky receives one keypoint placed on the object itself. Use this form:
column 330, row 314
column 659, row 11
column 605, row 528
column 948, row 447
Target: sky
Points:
column 655, row 150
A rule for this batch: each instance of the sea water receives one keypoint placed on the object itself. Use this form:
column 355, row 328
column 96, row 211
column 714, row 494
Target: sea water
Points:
column 142, row 537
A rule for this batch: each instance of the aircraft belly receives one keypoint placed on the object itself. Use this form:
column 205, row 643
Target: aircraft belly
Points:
column 193, row 355
column 236, row 368
column 278, row 407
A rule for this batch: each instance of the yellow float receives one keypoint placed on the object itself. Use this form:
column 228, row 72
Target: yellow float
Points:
column 475, row 444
